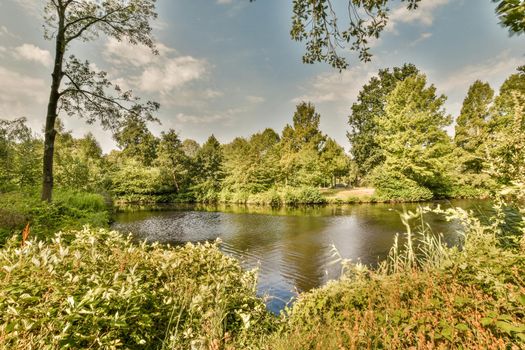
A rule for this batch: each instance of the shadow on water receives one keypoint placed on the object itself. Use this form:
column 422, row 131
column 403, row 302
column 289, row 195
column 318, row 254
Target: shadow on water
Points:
column 290, row 246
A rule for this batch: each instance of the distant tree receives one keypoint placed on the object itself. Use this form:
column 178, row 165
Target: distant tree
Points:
column 412, row 135
column 171, row 157
column 318, row 24
column 136, row 141
column 77, row 88
column 209, row 163
column 190, row 148
column 300, row 147
column 366, row 113
column 19, row 155
column 334, row 162
column 472, row 126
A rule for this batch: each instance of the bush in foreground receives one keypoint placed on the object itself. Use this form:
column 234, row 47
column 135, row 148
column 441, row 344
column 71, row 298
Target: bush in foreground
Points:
column 102, row 291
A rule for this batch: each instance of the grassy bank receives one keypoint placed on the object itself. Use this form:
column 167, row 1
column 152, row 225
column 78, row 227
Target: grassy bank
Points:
column 433, row 298
column 69, row 210
column 102, row 291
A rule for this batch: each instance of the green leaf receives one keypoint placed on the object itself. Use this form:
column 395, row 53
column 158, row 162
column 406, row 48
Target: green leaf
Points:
column 462, row 327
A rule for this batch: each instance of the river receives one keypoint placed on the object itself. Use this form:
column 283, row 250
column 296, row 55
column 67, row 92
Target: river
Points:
column 292, row 247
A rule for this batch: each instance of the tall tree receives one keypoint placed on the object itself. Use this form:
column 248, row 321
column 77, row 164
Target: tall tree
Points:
column 412, row 134
column 367, row 111
column 86, row 92
column 300, row 147
column 171, row 157
column 472, row 126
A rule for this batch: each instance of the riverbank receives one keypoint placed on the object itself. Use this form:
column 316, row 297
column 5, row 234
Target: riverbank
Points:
column 194, row 296
column 289, row 196
column 69, row 210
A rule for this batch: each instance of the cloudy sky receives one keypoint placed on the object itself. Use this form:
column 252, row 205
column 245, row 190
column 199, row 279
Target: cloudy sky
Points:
column 228, row 67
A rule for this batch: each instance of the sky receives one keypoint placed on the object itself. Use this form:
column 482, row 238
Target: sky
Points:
column 229, row 67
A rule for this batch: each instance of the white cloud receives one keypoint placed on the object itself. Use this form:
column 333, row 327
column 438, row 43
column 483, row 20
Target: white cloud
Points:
column 339, row 88
column 203, row 119
column 255, row 99
column 423, row 15
column 422, row 37
column 493, row 70
column 33, row 7
column 162, row 73
column 172, row 74
column 33, row 53
column 224, row 2
column 4, row 31
column 124, row 53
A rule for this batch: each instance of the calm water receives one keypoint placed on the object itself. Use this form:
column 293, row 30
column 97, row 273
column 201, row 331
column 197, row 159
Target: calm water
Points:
column 291, row 247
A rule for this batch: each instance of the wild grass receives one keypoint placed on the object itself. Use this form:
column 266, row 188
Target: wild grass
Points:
column 69, row 210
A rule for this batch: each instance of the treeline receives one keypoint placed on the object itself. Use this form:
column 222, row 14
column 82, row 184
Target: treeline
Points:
column 264, row 168
column 398, row 135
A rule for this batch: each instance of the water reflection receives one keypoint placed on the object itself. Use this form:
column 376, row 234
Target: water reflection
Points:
column 291, row 246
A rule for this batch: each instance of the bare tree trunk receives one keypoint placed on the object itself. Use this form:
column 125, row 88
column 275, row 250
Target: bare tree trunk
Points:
column 52, row 111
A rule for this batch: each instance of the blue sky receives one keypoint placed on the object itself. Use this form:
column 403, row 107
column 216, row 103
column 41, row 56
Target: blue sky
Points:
column 228, row 67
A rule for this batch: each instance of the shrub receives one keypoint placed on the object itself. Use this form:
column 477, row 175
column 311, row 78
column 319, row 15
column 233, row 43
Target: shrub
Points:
column 101, row 291
column 394, row 186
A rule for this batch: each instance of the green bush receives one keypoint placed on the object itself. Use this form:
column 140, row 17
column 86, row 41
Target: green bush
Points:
column 397, row 187
column 101, row 291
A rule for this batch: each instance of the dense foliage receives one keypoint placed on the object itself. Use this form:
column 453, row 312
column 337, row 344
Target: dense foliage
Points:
column 102, row 291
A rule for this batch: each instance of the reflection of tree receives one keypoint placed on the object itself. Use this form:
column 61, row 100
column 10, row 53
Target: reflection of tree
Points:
column 304, row 248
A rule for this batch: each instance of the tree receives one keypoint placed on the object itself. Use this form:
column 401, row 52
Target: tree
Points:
column 300, row 147
column 209, row 162
column 512, row 15
column 19, row 154
column 136, row 141
column 506, row 143
column 367, row 111
column 171, row 157
column 413, row 138
column 334, row 162
column 472, row 126
column 86, row 92
column 317, row 23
